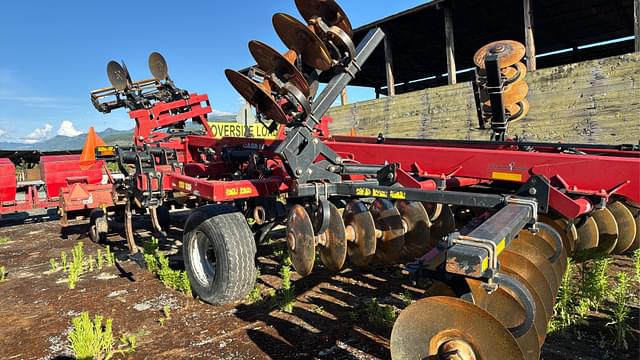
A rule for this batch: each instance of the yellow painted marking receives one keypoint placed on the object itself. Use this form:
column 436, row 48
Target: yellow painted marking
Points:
column 234, row 129
column 500, row 246
column 245, row 190
column 363, row 192
column 181, row 184
column 485, row 265
column 498, row 175
column 231, row 191
column 397, row 194
column 106, row 150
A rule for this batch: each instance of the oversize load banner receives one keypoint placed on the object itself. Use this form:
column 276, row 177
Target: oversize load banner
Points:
column 234, row 129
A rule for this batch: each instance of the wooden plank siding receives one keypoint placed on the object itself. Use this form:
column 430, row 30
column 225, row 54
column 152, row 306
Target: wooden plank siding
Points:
column 595, row 101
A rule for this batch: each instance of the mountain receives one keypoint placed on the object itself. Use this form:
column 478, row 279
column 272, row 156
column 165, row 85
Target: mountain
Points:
column 59, row 142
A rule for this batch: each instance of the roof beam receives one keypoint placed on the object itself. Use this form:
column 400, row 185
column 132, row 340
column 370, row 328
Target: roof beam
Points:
column 449, row 45
column 528, row 35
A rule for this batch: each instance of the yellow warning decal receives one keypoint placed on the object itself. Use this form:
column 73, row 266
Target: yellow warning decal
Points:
column 105, row 150
column 379, row 193
column 397, row 194
column 498, row 175
column 245, row 190
column 231, row 191
column 234, row 129
column 181, row 184
column 500, row 246
column 485, row 264
column 363, row 192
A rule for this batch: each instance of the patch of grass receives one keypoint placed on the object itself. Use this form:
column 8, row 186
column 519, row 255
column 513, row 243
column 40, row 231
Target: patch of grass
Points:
column 406, row 297
column 53, row 264
column 562, row 309
column 595, row 285
column 109, row 257
column 76, row 268
column 3, row 273
column 286, row 295
column 158, row 264
column 94, row 340
column 620, row 311
column 4, row 240
column 380, row 316
column 256, row 293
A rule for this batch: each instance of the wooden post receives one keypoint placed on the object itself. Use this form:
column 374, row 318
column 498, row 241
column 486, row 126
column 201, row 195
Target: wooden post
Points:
column 449, row 45
column 388, row 60
column 636, row 23
column 528, row 35
column 343, row 97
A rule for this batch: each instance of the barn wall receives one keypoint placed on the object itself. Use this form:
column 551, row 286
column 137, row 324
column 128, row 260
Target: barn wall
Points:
column 594, row 101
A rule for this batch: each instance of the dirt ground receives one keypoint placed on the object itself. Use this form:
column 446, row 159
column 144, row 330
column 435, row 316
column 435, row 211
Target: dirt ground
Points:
column 328, row 320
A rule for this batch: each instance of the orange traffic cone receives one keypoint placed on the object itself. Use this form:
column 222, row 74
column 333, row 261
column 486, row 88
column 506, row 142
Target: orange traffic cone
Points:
column 88, row 156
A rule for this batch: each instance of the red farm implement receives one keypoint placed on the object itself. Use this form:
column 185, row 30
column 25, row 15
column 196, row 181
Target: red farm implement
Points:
column 492, row 222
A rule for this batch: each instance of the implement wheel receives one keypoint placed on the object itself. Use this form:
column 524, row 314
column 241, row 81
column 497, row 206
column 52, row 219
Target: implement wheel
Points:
column 219, row 254
column 98, row 226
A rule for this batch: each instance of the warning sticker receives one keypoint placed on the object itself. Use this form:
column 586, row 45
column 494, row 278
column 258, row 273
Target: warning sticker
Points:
column 234, row 129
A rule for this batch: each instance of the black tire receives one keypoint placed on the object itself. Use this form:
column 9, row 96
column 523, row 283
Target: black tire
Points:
column 98, row 226
column 219, row 254
column 164, row 217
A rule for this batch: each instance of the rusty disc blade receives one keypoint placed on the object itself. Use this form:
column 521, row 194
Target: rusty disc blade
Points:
column 357, row 216
column 529, row 275
column 567, row 231
column 509, row 52
column 515, row 92
column 515, row 72
column 328, row 10
column 389, row 222
column 549, row 235
column 425, row 328
column 300, row 240
column 433, row 209
column 118, row 76
column 626, row 226
column 518, row 110
column 588, row 237
column 543, row 248
column 533, row 253
column 607, row 231
column 333, row 241
column 505, row 307
column 272, row 62
column 635, row 245
column 257, row 96
column 158, row 66
column 297, row 37
column 444, row 225
column 417, row 239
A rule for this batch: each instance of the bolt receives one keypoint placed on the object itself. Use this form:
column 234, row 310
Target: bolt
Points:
column 298, row 171
column 533, row 191
column 309, row 171
column 315, row 140
column 338, row 159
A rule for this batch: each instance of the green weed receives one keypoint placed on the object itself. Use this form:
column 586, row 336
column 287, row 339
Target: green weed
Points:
column 562, row 309
column 94, row 340
column 63, row 260
column 99, row 259
column 4, row 240
column 76, row 268
column 286, row 296
column 380, row 316
column 91, row 262
column 166, row 315
column 3, row 273
column 109, row 257
column 636, row 263
column 53, row 264
column 406, row 297
column 620, row 311
column 595, row 284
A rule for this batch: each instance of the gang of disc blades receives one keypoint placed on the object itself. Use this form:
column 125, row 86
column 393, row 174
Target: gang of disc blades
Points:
column 361, row 251
column 541, row 247
column 256, row 95
column 387, row 219
column 532, row 252
column 509, row 52
column 299, row 38
column 333, row 248
column 158, row 66
column 328, row 10
column 272, row 62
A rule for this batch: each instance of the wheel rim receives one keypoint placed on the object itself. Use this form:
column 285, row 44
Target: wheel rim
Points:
column 203, row 259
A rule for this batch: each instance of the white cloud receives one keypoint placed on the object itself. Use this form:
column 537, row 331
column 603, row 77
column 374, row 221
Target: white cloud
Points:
column 38, row 134
column 3, row 132
column 215, row 112
column 66, row 129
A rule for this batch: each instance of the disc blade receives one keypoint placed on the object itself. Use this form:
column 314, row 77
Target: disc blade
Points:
column 297, row 37
column 356, row 215
column 158, row 66
column 509, row 52
column 272, row 62
column 531, row 252
column 549, row 235
column 518, row 110
column 117, row 76
column 300, row 240
column 388, row 221
column 515, row 72
column 328, row 10
column 333, row 241
column 524, row 271
column 588, row 236
column 417, row 239
column 425, row 326
column 256, row 96
column 444, row 225
column 626, row 226
column 505, row 307
column 567, row 231
column 541, row 247
column 433, row 209
column 607, row 232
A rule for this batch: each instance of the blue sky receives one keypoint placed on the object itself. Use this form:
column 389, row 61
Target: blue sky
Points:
column 55, row 52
